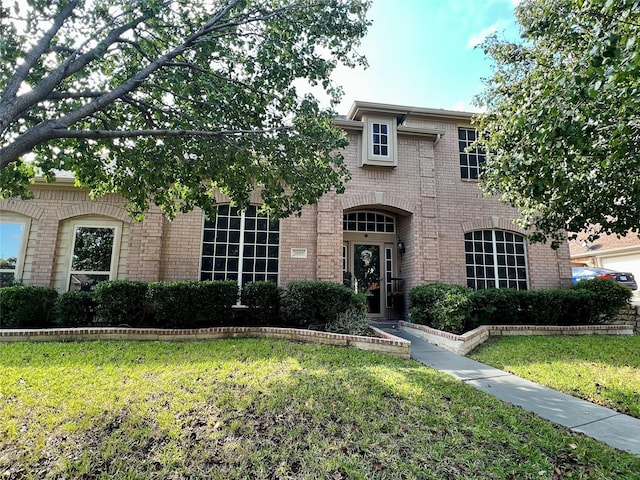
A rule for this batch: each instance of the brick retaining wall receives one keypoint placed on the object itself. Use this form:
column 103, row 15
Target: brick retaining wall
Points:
column 463, row 344
column 382, row 342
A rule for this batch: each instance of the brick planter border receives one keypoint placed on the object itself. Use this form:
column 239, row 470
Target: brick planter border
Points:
column 463, row 344
column 382, row 342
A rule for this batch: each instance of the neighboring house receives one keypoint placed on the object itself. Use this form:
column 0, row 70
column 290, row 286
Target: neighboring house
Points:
column 609, row 251
column 412, row 214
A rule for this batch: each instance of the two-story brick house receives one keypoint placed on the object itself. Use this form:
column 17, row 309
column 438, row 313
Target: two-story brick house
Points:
column 412, row 214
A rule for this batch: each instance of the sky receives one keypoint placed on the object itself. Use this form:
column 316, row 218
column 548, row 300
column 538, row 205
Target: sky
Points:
column 421, row 52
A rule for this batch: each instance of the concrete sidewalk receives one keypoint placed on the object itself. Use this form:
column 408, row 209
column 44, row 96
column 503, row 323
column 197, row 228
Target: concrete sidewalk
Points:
column 606, row 425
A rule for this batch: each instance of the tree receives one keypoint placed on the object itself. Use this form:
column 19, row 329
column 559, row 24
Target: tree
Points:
column 165, row 101
column 562, row 118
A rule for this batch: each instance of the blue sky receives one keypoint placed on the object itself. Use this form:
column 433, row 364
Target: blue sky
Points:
column 420, row 52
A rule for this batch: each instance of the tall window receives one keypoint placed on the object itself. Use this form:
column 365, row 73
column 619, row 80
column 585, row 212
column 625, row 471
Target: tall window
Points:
column 470, row 161
column 380, row 139
column 92, row 258
column 495, row 259
column 11, row 243
column 240, row 245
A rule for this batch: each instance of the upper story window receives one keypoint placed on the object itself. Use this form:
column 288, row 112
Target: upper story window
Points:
column 379, row 142
column 495, row 259
column 93, row 256
column 12, row 240
column 240, row 245
column 380, row 139
column 470, row 161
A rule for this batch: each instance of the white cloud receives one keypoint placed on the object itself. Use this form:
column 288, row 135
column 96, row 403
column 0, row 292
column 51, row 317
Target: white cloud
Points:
column 479, row 37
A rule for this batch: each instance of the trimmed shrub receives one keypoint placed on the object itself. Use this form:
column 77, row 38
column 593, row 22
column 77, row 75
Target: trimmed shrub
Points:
column 192, row 304
column 496, row 306
column 121, row 302
column 75, row 309
column 316, row 303
column 554, row 307
column 263, row 300
column 608, row 297
column 26, row 306
column 442, row 306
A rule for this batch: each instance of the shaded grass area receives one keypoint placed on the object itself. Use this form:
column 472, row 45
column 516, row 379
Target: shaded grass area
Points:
column 266, row 409
column 604, row 369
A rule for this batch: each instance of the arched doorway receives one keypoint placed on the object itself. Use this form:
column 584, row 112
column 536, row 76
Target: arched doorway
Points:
column 368, row 257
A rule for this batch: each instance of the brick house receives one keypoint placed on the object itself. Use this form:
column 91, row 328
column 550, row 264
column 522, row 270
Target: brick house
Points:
column 412, row 214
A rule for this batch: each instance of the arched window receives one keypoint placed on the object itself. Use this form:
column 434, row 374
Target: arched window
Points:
column 496, row 259
column 240, row 245
column 368, row 222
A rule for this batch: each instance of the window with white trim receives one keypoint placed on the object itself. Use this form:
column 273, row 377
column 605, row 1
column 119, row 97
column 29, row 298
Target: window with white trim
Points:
column 13, row 234
column 496, row 259
column 240, row 245
column 379, row 142
column 93, row 255
column 470, row 161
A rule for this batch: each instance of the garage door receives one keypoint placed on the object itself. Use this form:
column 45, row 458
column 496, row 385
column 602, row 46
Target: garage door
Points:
column 623, row 263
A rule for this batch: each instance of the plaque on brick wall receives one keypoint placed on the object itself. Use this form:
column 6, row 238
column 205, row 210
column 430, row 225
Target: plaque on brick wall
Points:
column 298, row 253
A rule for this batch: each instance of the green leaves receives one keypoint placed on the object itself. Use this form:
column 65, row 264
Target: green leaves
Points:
column 562, row 118
column 163, row 101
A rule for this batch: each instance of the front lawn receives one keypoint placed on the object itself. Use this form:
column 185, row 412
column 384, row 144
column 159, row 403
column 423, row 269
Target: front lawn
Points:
column 267, row 409
column 603, row 369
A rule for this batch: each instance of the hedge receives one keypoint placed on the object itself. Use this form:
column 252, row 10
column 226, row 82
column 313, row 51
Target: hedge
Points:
column 121, row 302
column 263, row 303
column 26, row 306
column 314, row 303
column 192, row 304
column 442, row 306
column 458, row 309
column 75, row 309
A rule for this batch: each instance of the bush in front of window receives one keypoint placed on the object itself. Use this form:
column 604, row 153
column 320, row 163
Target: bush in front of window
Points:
column 263, row 302
column 75, row 309
column 121, row 302
column 26, row 306
column 442, row 306
column 608, row 296
column 315, row 303
column 192, row 304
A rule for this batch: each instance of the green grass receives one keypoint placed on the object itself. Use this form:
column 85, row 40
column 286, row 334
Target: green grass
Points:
column 603, row 369
column 266, row 409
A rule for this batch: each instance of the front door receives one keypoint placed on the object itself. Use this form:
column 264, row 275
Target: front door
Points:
column 366, row 272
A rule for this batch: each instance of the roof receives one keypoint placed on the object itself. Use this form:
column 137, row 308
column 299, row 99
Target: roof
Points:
column 359, row 108
column 605, row 244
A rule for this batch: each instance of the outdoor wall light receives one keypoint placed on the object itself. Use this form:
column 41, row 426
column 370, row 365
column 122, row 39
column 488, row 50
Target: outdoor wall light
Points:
column 401, row 247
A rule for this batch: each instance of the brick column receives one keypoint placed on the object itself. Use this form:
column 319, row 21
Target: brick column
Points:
column 145, row 247
column 329, row 241
column 44, row 256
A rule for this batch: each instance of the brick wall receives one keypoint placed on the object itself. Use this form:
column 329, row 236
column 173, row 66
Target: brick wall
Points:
column 433, row 208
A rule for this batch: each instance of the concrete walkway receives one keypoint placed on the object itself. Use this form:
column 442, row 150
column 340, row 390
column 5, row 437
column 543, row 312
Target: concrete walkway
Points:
column 615, row 429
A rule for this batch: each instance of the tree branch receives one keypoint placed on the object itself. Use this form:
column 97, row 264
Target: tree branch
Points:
column 10, row 91
column 73, row 95
column 97, row 134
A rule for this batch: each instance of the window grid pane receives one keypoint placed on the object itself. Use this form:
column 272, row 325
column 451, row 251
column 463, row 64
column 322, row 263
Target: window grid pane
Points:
column 368, row 222
column 221, row 246
column 380, row 139
column 470, row 162
column 495, row 259
column 388, row 273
